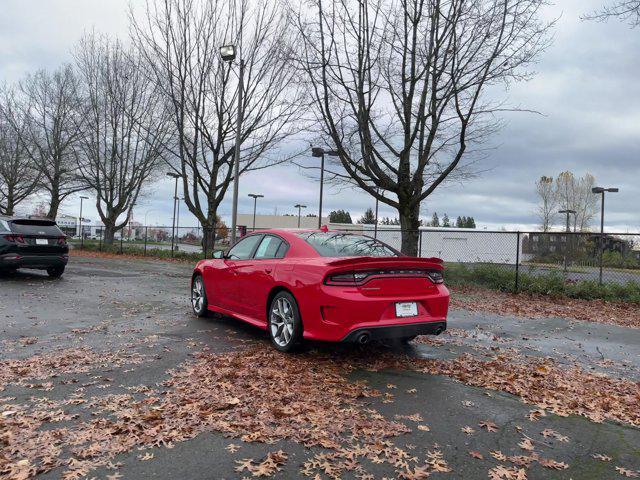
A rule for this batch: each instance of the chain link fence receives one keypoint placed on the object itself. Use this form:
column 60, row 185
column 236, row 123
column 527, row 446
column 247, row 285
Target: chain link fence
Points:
column 612, row 258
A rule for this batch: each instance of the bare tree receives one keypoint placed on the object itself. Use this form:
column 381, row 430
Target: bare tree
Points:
column 125, row 127
column 547, row 202
column 52, row 110
column 18, row 175
column 626, row 10
column 575, row 194
column 400, row 87
column 180, row 40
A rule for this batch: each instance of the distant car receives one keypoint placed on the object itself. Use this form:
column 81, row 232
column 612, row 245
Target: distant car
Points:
column 323, row 285
column 32, row 243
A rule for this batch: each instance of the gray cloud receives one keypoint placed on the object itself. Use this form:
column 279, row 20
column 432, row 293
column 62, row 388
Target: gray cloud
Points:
column 586, row 89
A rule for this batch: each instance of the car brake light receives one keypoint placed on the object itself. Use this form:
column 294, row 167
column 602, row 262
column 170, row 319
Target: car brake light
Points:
column 435, row 276
column 14, row 238
column 62, row 240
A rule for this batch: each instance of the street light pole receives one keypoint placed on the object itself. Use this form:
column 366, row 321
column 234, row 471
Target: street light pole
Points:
column 320, row 153
column 80, row 223
column 255, row 197
column 299, row 207
column 228, row 54
column 173, row 222
column 601, row 191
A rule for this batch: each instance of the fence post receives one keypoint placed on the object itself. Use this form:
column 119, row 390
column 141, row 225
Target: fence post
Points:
column 121, row 240
column 101, row 232
column 517, row 262
column 420, row 244
column 145, row 240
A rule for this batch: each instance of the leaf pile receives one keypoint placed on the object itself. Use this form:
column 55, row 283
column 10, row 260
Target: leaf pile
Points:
column 256, row 394
column 476, row 299
column 540, row 381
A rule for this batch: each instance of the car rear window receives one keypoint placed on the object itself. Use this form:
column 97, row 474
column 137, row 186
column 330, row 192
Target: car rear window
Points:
column 329, row 244
column 46, row 228
column 4, row 226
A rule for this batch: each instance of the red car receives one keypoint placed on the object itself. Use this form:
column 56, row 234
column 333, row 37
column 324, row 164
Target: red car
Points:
column 322, row 285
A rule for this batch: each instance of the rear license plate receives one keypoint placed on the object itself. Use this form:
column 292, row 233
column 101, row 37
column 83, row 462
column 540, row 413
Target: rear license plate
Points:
column 406, row 309
column 42, row 241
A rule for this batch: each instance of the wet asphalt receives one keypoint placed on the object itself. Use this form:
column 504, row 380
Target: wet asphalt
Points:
column 105, row 304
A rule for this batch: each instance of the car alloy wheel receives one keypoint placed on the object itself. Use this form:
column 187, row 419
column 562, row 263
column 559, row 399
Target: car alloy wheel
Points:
column 282, row 322
column 198, row 297
column 285, row 327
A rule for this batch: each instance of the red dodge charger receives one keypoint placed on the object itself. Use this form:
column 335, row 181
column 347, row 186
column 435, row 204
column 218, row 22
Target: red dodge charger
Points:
column 322, row 285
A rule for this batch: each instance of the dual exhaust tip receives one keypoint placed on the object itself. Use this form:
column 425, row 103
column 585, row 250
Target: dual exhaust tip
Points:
column 365, row 337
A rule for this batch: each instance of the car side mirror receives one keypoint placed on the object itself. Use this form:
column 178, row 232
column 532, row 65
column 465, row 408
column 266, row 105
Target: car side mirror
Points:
column 219, row 254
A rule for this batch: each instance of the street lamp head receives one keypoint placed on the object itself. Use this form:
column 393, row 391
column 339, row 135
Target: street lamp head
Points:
column 318, row 152
column 173, row 175
column 300, row 206
column 597, row 190
column 84, row 198
column 228, row 53
column 613, row 190
column 567, row 211
column 255, row 195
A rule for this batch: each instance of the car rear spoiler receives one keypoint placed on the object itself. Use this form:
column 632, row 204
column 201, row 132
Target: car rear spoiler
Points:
column 375, row 262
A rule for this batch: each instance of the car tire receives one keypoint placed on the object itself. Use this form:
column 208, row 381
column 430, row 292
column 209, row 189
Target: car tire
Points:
column 406, row 340
column 284, row 323
column 55, row 272
column 199, row 302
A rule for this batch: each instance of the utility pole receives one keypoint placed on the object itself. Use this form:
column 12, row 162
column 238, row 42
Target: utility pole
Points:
column 299, row 207
column 568, row 230
column 601, row 191
column 255, row 197
column 173, row 222
column 320, row 153
column 80, row 232
column 228, row 54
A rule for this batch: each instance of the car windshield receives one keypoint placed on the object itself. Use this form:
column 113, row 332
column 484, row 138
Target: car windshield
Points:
column 332, row 244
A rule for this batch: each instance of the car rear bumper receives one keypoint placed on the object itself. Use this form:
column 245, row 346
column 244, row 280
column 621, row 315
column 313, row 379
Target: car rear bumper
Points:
column 16, row 260
column 336, row 314
column 366, row 334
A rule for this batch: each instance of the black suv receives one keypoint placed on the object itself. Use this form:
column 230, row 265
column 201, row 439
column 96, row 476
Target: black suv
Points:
column 32, row 243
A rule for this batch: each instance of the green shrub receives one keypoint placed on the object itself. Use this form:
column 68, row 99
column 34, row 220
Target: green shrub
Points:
column 503, row 278
column 94, row 246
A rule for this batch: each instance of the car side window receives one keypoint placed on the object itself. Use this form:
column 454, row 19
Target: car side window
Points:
column 244, row 248
column 282, row 250
column 268, row 248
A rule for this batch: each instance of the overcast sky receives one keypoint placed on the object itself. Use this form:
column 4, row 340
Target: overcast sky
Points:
column 586, row 89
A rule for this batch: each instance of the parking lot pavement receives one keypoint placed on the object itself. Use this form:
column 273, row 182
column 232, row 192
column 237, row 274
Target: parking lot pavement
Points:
column 129, row 326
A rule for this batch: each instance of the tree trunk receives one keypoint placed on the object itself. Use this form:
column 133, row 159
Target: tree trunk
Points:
column 109, row 233
column 53, row 208
column 410, row 225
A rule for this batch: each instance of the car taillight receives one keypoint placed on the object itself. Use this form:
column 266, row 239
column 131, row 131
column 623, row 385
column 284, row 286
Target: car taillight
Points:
column 435, row 276
column 62, row 240
column 348, row 278
column 14, row 238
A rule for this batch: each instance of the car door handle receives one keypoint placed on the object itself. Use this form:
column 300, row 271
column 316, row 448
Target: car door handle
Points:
column 268, row 270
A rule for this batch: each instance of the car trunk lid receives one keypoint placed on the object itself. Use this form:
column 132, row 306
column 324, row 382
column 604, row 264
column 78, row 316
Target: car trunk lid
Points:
column 387, row 276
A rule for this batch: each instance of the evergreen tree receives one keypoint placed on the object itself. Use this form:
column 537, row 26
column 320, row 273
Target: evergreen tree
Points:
column 368, row 218
column 446, row 223
column 461, row 222
column 435, row 221
column 471, row 222
column 340, row 216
